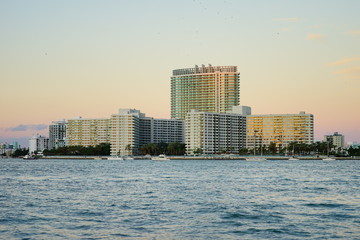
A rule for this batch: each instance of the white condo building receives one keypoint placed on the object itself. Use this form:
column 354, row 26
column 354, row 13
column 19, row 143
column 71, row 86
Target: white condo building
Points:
column 57, row 134
column 125, row 131
column 38, row 143
column 338, row 140
column 211, row 133
column 130, row 129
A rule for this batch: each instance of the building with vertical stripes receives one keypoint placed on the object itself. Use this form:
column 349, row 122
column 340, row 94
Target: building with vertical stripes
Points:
column 206, row 89
column 87, row 131
column 57, row 134
column 214, row 133
column 280, row 129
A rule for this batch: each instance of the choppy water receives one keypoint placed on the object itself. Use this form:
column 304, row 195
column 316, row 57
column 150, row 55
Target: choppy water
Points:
column 94, row 199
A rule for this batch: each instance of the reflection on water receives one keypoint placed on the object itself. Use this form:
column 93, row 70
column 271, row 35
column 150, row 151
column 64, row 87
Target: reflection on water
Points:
column 64, row 199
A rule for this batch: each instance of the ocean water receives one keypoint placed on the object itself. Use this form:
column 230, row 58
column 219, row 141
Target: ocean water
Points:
column 95, row 199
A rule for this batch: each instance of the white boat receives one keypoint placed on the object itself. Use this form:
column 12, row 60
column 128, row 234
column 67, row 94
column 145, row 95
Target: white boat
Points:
column 115, row 158
column 128, row 158
column 293, row 159
column 255, row 159
column 30, row 157
column 161, row 157
column 329, row 159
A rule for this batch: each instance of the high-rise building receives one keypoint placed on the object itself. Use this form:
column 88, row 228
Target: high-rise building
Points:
column 87, row 131
column 337, row 140
column 125, row 132
column 210, row 133
column 38, row 143
column 130, row 129
column 57, row 134
column 280, row 129
column 206, row 89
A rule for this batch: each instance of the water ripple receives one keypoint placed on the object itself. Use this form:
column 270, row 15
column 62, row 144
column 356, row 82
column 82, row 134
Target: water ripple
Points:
column 65, row 199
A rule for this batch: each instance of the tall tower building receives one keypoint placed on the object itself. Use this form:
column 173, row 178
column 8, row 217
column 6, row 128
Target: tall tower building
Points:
column 206, row 89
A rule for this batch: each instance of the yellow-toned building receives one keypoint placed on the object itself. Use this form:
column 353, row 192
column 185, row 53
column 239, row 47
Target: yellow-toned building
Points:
column 87, row 132
column 280, row 129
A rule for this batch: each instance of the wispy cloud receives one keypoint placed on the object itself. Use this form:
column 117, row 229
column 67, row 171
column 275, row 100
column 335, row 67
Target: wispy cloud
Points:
column 22, row 127
column 354, row 32
column 293, row 19
column 315, row 36
column 285, row 30
column 344, row 61
column 351, row 70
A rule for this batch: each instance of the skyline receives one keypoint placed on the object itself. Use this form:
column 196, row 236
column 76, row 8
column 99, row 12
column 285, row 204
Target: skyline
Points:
column 90, row 58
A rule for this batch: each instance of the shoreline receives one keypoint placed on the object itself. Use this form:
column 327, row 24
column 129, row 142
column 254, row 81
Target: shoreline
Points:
column 241, row 158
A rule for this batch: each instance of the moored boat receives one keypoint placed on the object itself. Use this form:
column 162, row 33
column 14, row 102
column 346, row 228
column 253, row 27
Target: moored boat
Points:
column 161, row 157
column 30, row 157
column 115, row 158
column 256, row 159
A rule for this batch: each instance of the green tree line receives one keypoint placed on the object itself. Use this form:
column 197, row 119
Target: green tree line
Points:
column 102, row 149
column 163, row 148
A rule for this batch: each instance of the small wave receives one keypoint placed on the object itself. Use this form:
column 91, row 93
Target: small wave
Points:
column 241, row 216
column 325, row 205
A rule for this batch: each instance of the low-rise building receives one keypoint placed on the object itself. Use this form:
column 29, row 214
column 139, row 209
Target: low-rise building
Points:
column 38, row 143
column 337, row 140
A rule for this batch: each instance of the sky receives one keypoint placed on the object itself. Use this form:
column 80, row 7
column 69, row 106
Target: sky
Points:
column 63, row 59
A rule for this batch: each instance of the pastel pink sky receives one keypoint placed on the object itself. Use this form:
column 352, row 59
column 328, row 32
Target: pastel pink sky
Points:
column 88, row 58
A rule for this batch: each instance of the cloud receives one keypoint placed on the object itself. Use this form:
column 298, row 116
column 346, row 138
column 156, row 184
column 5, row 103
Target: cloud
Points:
column 351, row 74
column 354, row 32
column 23, row 127
column 352, row 70
column 285, row 30
column 344, row 61
column 315, row 36
column 349, row 68
column 293, row 19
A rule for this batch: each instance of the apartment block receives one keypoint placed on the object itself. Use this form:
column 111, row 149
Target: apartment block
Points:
column 337, row 140
column 207, row 89
column 38, row 143
column 280, row 129
column 87, row 131
column 130, row 129
column 212, row 133
column 57, row 134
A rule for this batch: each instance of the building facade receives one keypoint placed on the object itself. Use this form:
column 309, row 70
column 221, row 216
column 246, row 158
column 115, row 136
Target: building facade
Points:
column 280, row 129
column 207, row 89
column 125, row 132
column 87, row 132
column 38, row 143
column 130, row 129
column 337, row 140
column 212, row 133
column 57, row 134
